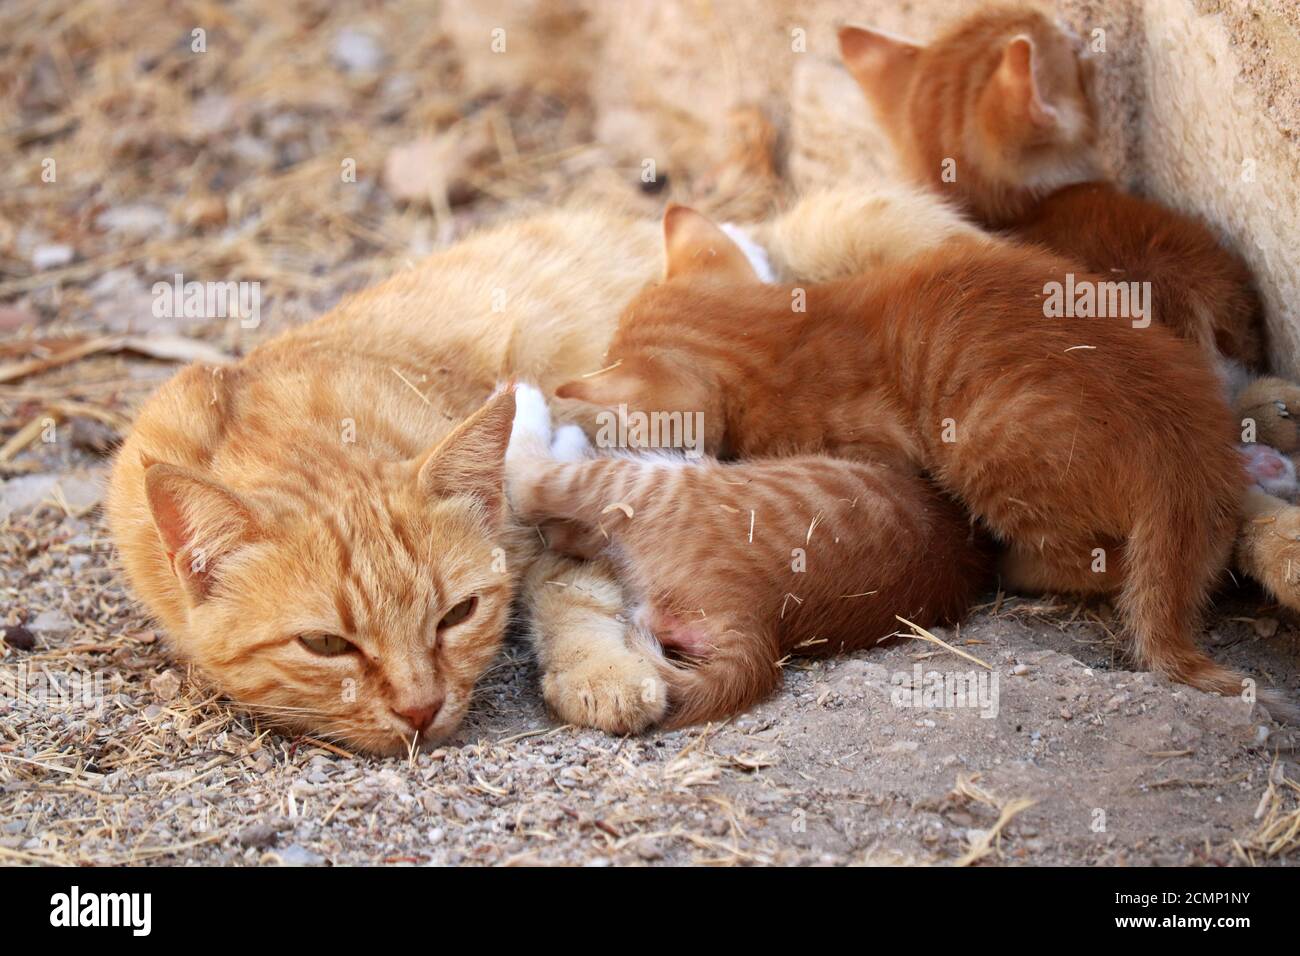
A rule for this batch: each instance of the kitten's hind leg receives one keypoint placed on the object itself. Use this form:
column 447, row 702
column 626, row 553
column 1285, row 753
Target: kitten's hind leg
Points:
column 598, row 670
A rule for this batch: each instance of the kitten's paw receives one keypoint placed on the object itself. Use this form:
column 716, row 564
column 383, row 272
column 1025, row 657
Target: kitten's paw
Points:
column 614, row 689
column 570, row 444
column 1271, row 470
column 1273, row 404
column 530, row 435
column 1268, row 547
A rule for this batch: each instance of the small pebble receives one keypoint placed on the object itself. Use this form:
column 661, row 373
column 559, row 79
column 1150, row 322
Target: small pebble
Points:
column 1265, row 626
column 166, row 685
column 298, row 855
column 51, row 622
column 52, row 256
column 19, row 638
column 356, row 51
column 259, row 835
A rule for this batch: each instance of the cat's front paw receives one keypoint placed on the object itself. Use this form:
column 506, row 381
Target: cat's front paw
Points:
column 614, row 689
column 1273, row 405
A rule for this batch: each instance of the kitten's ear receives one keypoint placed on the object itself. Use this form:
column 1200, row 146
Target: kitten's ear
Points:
column 882, row 64
column 693, row 245
column 1015, row 75
column 199, row 521
column 471, row 460
column 608, row 389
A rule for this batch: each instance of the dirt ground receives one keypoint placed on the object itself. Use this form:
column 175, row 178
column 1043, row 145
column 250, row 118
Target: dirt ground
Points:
column 229, row 165
column 1071, row 761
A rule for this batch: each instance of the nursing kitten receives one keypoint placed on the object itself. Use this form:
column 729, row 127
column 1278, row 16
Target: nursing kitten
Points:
column 735, row 566
column 1099, row 454
column 997, row 116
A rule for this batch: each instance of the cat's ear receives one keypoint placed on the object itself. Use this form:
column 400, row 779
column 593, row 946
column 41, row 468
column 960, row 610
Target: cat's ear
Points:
column 881, row 63
column 471, row 460
column 609, row 389
column 693, row 245
column 199, row 521
column 1015, row 76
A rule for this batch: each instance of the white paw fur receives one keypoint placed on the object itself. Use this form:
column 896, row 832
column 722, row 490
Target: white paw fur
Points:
column 570, row 444
column 530, row 435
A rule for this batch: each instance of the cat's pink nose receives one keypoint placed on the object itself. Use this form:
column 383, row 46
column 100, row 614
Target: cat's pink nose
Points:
column 422, row 716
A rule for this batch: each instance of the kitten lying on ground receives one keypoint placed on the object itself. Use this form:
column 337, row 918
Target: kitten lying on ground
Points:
column 1099, row 454
column 997, row 116
column 736, row 566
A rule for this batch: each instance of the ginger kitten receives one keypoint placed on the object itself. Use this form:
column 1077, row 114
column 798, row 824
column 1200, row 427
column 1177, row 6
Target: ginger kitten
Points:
column 735, row 566
column 997, row 116
column 1098, row 453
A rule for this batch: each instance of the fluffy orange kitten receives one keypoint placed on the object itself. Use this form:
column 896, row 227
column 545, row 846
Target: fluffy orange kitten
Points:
column 734, row 566
column 997, row 115
column 1100, row 454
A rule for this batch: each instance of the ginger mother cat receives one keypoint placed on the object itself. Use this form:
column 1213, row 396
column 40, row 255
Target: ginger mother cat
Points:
column 319, row 526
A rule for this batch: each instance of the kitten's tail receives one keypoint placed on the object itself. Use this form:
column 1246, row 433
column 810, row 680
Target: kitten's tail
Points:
column 1179, row 543
column 741, row 671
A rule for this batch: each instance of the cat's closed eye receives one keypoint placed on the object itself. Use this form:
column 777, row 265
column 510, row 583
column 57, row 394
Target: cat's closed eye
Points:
column 326, row 645
column 459, row 614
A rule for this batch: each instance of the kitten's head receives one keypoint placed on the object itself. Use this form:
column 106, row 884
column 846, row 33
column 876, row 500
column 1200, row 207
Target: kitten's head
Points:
column 1005, row 94
column 672, row 351
column 358, row 600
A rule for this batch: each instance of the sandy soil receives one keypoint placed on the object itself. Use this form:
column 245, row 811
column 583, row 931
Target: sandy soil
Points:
column 1080, row 761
